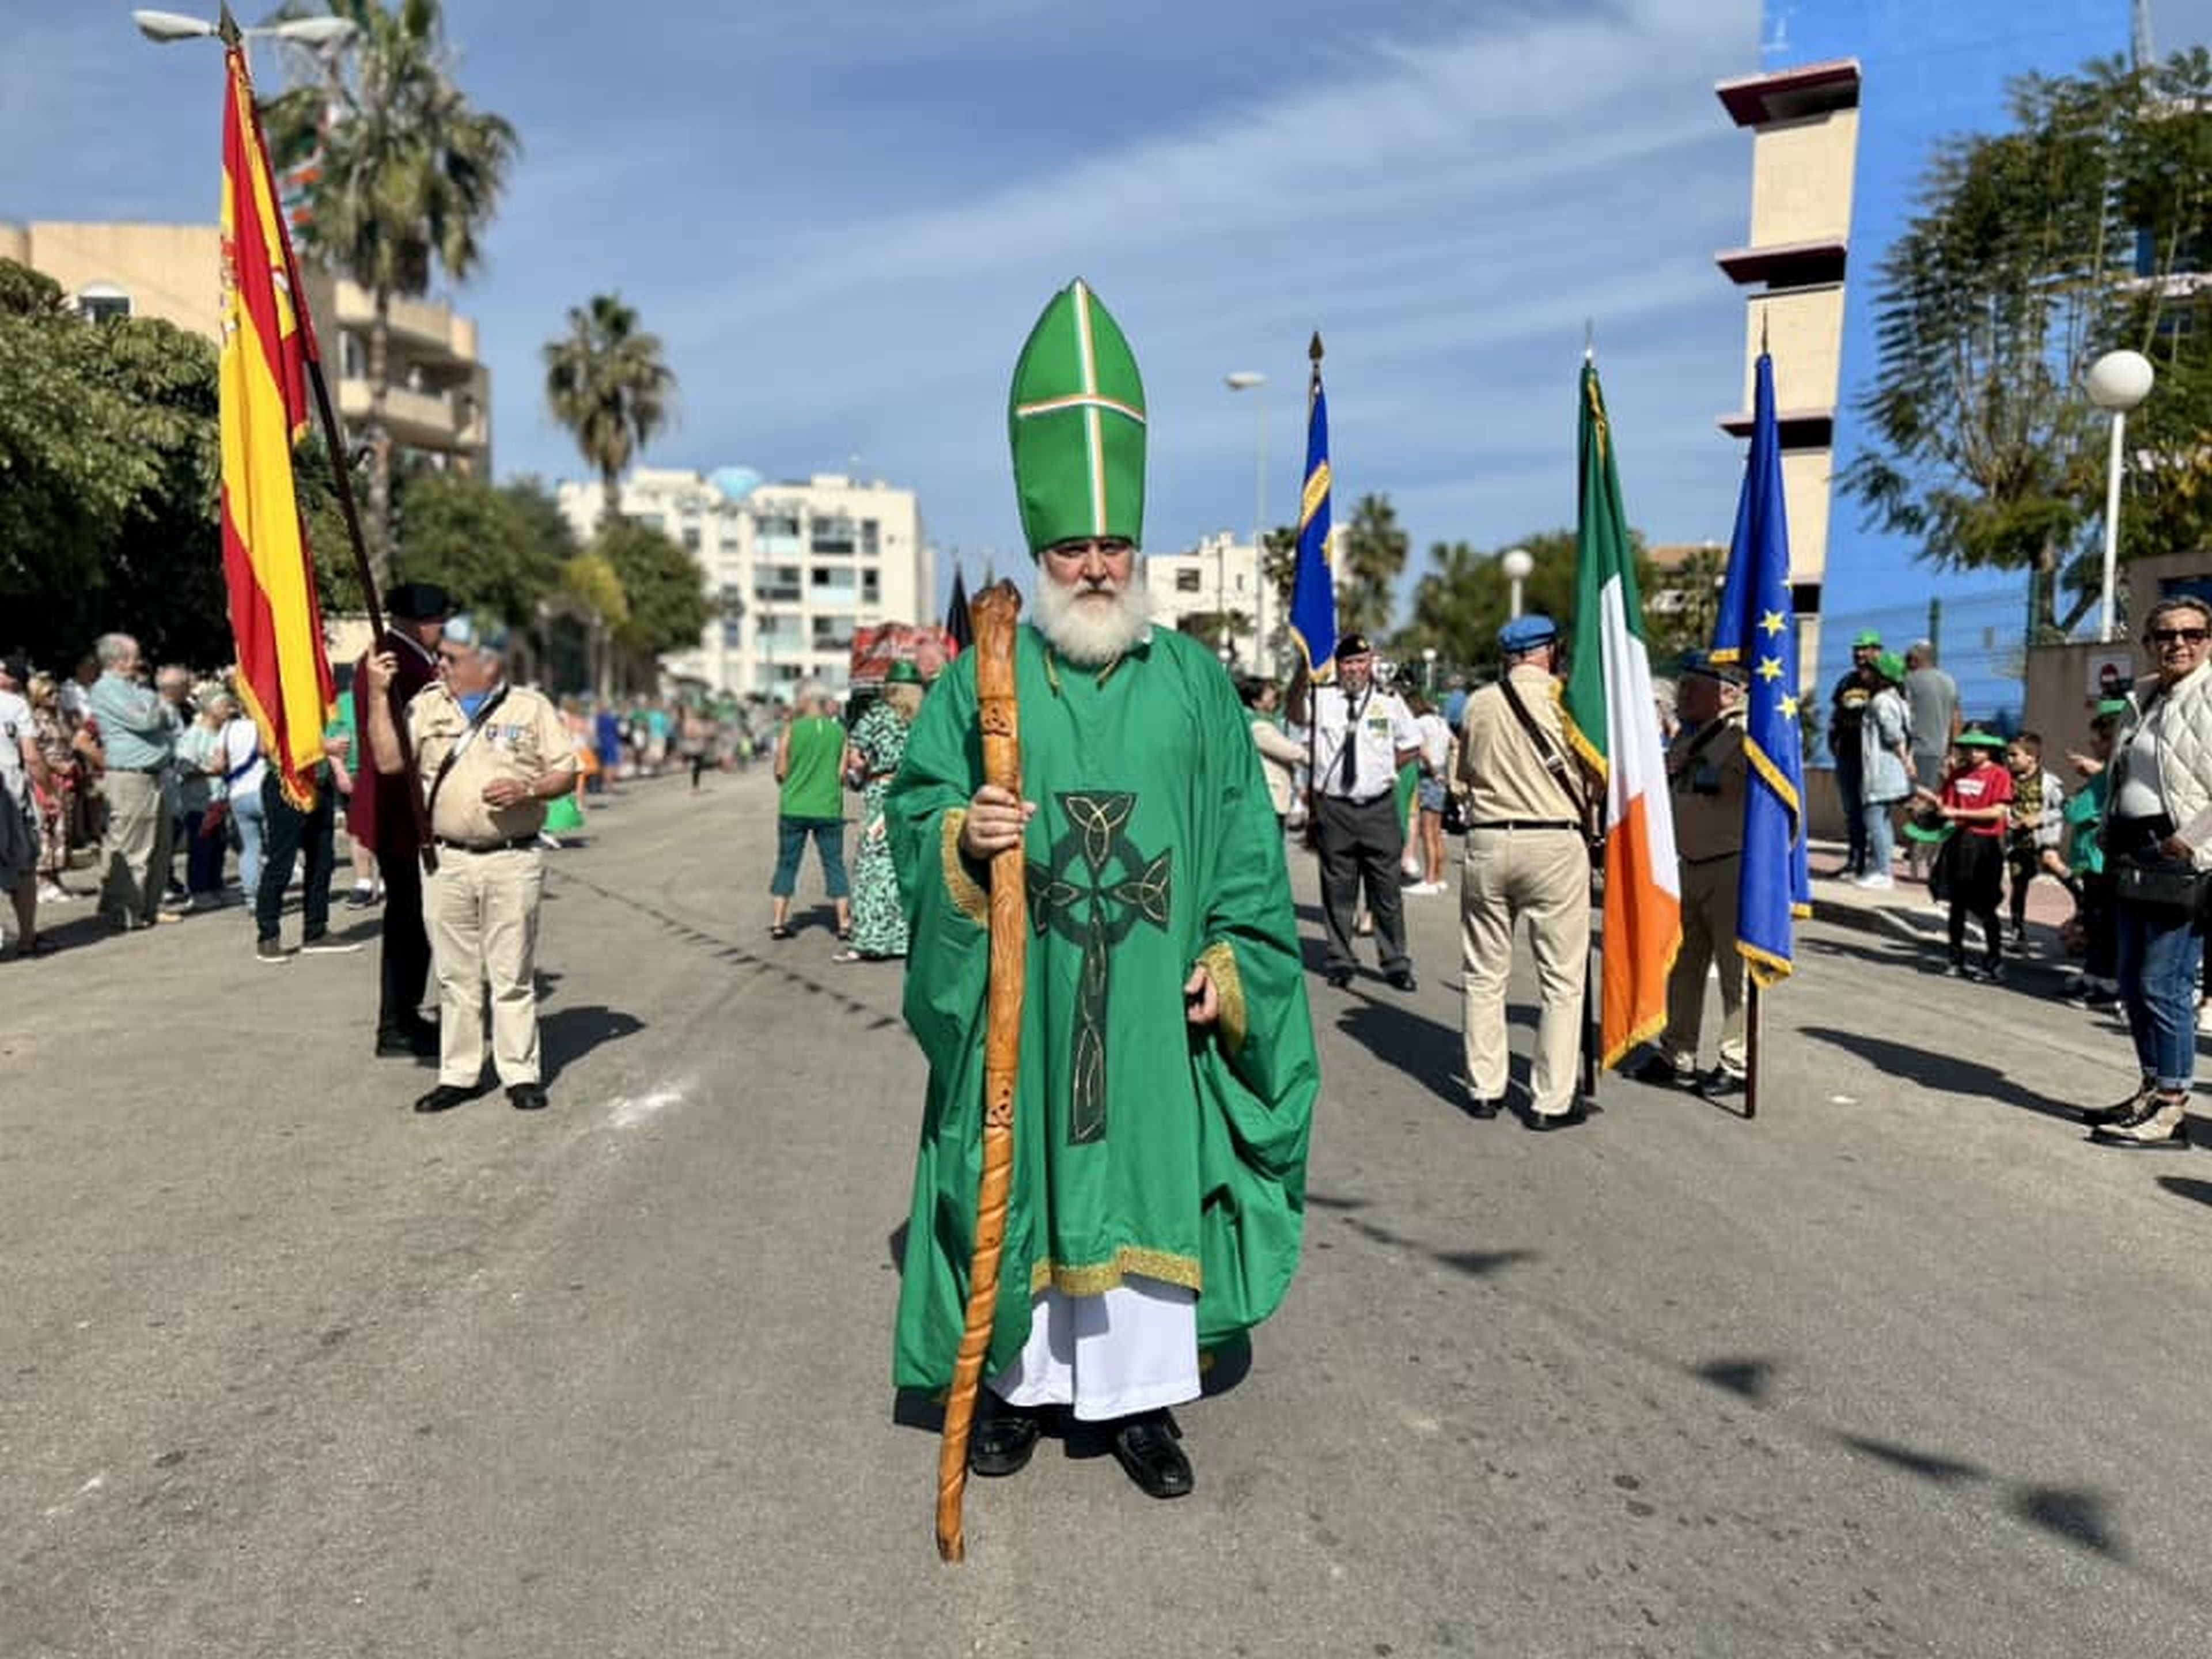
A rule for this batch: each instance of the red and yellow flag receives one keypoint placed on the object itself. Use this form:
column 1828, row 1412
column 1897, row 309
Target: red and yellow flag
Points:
column 283, row 671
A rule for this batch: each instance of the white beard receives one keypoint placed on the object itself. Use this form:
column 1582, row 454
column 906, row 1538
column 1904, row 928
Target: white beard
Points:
column 1090, row 626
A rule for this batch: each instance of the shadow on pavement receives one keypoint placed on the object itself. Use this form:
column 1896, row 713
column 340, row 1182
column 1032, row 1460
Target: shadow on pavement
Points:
column 2187, row 1186
column 1945, row 1073
column 2080, row 1516
column 567, row 1035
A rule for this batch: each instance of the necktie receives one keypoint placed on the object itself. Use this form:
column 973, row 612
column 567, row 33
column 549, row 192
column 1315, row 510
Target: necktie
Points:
column 1351, row 769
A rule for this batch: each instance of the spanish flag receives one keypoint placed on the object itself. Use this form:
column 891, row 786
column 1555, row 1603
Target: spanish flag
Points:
column 283, row 671
column 1614, row 723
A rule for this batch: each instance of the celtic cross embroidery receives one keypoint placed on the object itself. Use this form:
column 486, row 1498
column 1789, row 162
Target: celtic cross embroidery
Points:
column 1093, row 893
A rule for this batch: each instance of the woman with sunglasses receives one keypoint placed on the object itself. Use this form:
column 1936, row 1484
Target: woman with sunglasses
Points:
column 2158, row 818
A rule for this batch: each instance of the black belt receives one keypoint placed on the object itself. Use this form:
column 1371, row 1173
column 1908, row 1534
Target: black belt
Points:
column 512, row 844
column 146, row 771
column 1524, row 823
column 1360, row 800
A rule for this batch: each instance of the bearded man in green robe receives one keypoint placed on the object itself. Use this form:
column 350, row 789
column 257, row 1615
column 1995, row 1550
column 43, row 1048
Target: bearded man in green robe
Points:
column 1168, row 1073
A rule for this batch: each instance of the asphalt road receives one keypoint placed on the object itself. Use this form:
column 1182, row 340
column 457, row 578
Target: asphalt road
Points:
column 1904, row 1367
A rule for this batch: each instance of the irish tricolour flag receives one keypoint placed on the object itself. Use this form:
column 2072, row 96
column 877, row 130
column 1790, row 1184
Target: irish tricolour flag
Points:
column 1614, row 723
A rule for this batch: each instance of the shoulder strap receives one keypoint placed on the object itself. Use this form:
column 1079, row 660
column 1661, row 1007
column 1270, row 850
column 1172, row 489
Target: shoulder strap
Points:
column 445, row 766
column 1546, row 751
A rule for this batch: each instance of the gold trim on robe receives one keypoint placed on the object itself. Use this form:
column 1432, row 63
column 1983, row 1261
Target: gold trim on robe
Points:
column 974, row 902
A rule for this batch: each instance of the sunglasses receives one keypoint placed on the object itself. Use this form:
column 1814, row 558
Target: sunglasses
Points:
column 2179, row 635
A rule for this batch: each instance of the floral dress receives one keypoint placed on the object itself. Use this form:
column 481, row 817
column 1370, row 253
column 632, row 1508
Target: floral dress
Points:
column 879, row 922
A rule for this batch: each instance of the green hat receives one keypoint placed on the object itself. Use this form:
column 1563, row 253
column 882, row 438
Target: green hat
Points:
column 1890, row 667
column 1867, row 638
column 1981, row 740
column 2112, row 709
column 902, row 672
column 1076, row 422
column 1926, row 831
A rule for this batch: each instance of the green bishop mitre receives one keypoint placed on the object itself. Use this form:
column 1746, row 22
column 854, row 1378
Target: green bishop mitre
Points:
column 1076, row 422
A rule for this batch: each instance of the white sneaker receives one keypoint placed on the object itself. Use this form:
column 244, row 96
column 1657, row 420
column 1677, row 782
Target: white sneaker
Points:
column 1874, row 884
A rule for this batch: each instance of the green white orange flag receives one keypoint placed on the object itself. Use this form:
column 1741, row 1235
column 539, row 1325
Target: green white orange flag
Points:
column 1613, row 721
column 283, row 670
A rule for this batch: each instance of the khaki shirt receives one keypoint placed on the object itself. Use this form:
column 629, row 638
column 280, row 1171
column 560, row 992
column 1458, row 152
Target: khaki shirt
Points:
column 1707, row 790
column 1505, row 774
column 525, row 738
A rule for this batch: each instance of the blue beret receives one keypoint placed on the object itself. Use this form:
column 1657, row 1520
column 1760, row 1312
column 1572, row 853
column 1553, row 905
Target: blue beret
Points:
column 1526, row 633
column 465, row 629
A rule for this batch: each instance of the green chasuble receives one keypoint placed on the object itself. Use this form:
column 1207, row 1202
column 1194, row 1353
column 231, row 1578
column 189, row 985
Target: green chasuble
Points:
column 1142, row 1145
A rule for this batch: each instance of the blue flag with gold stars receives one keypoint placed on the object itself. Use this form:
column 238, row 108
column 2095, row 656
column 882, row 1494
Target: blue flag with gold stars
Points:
column 1756, row 629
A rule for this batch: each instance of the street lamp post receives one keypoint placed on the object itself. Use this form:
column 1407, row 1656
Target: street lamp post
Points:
column 2118, row 381
column 1517, row 564
column 1428, row 670
column 324, row 36
column 1251, row 380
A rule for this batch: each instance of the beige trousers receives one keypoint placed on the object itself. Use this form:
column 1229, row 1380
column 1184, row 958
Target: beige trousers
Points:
column 137, row 852
column 1709, row 915
column 481, row 912
column 1544, row 875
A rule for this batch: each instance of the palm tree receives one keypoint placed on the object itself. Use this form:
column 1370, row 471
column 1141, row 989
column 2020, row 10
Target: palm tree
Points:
column 609, row 385
column 1374, row 553
column 411, row 178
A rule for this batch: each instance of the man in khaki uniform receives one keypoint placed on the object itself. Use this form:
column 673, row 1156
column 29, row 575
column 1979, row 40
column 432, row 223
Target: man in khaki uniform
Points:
column 491, row 755
column 1706, row 778
column 1525, row 856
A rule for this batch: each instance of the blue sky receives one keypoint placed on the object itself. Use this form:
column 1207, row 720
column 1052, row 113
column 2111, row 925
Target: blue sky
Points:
column 842, row 216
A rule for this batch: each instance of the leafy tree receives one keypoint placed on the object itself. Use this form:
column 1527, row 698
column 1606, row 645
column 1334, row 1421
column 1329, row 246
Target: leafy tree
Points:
column 592, row 593
column 1459, row 604
column 109, row 461
column 2035, row 250
column 476, row 541
column 1373, row 554
column 608, row 383
column 410, row 180
column 664, row 591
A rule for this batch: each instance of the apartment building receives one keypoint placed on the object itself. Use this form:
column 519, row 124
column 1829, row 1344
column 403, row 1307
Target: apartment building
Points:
column 1191, row 589
column 795, row 567
column 438, row 406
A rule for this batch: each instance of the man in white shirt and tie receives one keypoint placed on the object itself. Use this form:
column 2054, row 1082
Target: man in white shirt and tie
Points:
column 1361, row 736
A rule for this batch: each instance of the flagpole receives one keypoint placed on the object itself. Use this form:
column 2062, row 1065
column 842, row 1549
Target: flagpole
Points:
column 1751, row 1047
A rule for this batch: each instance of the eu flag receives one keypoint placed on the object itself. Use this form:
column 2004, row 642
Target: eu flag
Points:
column 1313, row 585
column 1757, row 629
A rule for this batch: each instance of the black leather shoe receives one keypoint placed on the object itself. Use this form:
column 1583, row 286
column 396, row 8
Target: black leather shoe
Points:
column 1002, row 1438
column 1660, row 1073
column 444, row 1098
column 1402, row 979
column 1485, row 1106
column 1339, row 978
column 527, row 1097
column 1575, row 1114
column 1146, row 1447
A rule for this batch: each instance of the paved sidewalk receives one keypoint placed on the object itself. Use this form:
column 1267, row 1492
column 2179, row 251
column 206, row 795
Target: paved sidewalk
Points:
column 1905, row 911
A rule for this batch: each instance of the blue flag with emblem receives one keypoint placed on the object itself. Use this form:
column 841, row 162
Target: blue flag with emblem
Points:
column 1312, row 584
column 1757, row 630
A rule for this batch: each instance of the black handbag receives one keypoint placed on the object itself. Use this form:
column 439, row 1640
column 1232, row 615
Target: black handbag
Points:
column 2160, row 884
column 1456, row 820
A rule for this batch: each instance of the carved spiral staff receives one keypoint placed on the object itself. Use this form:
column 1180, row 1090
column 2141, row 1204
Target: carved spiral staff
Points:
column 993, row 612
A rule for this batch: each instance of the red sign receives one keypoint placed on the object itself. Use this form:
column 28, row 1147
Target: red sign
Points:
column 875, row 649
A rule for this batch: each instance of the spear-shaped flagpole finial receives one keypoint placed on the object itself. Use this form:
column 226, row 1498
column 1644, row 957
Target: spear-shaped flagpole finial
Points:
column 227, row 26
column 1314, row 350
column 1763, row 320
column 1589, row 340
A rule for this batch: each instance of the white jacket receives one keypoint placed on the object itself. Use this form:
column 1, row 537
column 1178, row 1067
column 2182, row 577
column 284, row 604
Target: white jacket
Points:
column 2183, row 719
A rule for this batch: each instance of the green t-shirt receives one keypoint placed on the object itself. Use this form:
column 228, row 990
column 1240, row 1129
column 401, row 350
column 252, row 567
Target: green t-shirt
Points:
column 813, row 787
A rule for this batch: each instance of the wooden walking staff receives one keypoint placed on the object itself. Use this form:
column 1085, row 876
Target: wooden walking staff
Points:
column 994, row 612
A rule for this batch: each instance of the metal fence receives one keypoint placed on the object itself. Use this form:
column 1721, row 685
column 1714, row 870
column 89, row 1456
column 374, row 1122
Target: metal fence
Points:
column 1980, row 634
